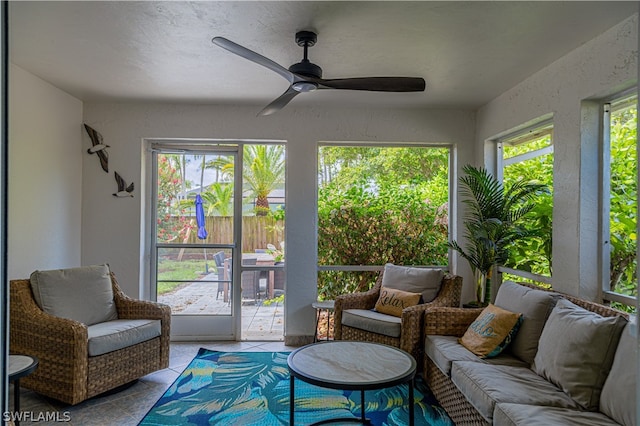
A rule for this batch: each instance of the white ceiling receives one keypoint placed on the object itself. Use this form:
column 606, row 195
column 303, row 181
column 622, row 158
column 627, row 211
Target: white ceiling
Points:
column 468, row 52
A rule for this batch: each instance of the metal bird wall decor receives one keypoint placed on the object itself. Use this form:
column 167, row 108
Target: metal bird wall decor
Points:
column 98, row 148
column 123, row 189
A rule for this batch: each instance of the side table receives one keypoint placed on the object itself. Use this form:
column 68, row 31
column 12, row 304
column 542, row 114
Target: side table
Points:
column 327, row 305
column 20, row 366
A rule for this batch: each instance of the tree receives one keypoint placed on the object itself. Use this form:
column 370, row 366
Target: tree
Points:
column 263, row 171
column 493, row 218
column 219, row 198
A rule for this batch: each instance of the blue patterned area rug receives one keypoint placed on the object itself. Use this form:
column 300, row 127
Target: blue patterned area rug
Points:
column 252, row 388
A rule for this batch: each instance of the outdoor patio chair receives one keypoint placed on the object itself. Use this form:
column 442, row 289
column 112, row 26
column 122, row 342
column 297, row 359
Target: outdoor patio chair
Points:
column 219, row 259
column 88, row 336
column 356, row 319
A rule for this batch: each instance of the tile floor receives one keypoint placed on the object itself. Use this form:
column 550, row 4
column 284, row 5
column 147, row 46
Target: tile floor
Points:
column 129, row 406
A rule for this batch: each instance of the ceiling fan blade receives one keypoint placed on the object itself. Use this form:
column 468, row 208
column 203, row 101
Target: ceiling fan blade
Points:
column 254, row 57
column 280, row 102
column 375, row 84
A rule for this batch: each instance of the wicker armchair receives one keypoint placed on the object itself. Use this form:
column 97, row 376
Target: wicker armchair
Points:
column 411, row 338
column 66, row 371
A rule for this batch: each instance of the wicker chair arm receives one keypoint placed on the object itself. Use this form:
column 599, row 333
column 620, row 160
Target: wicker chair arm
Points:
column 363, row 300
column 449, row 321
column 129, row 308
column 60, row 344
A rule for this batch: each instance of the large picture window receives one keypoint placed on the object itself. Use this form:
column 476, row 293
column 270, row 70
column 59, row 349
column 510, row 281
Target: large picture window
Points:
column 379, row 205
column 620, row 201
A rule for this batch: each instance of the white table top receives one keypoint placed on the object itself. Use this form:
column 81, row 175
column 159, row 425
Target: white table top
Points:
column 326, row 304
column 20, row 363
column 351, row 364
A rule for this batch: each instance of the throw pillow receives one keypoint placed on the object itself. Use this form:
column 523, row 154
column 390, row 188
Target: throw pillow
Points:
column 535, row 306
column 618, row 398
column 392, row 301
column 576, row 350
column 82, row 294
column 491, row 332
column 426, row 281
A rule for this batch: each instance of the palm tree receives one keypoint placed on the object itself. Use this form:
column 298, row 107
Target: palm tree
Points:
column 263, row 171
column 219, row 197
column 493, row 218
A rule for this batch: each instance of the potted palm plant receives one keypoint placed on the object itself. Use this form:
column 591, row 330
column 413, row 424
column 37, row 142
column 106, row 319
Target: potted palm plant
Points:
column 493, row 221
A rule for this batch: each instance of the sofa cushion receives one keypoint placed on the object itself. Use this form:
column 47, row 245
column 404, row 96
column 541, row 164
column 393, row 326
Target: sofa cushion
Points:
column 393, row 301
column 113, row 335
column 82, row 294
column 618, row 398
column 576, row 350
column 485, row 385
column 507, row 414
column 426, row 281
column 372, row 321
column 444, row 350
column 491, row 331
column 535, row 306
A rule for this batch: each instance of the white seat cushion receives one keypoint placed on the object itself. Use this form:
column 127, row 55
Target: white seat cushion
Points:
column 372, row 321
column 536, row 415
column 444, row 350
column 486, row 385
column 113, row 335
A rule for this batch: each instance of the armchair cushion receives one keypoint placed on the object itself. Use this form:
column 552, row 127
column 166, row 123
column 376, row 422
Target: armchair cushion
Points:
column 426, row 281
column 82, row 294
column 372, row 321
column 110, row 336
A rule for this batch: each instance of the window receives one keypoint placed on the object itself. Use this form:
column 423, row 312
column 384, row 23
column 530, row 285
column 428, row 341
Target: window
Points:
column 528, row 155
column 620, row 184
column 378, row 205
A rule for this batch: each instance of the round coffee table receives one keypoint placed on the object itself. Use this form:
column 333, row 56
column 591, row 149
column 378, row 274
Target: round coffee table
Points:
column 348, row 365
column 20, row 366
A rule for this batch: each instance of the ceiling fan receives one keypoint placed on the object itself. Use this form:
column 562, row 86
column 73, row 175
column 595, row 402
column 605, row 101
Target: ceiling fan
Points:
column 306, row 76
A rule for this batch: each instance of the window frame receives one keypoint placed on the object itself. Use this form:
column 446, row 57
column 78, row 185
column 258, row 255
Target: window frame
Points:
column 532, row 131
column 606, row 111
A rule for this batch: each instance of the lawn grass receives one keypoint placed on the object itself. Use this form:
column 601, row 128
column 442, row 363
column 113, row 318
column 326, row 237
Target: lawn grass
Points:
column 172, row 272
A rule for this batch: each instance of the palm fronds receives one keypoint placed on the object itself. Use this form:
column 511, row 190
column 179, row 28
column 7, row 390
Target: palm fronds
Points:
column 492, row 216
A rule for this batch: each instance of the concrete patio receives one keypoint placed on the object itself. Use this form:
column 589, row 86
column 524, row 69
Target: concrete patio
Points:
column 260, row 321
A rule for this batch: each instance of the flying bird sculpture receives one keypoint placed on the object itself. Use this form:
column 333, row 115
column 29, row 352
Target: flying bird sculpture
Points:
column 123, row 189
column 98, row 147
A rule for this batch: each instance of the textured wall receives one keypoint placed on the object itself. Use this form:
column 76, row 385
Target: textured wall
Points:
column 114, row 230
column 568, row 90
column 45, row 176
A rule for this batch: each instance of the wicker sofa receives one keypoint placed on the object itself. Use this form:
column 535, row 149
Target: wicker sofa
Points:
column 67, row 370
column 562, row 367
column 409, row 337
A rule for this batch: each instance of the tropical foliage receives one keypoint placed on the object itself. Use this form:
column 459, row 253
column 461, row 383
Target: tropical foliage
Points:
column 623, row 201
column 263, row 171
column 172, row 225
column 379, row 205
column 493, row 217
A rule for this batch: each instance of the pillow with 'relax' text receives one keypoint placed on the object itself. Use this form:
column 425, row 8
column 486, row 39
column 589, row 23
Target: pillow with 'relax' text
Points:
column 393, row 301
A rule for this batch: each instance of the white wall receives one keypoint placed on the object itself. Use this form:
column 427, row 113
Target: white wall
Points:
column 113, row 230
column 45, row 176
column 568, row 89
